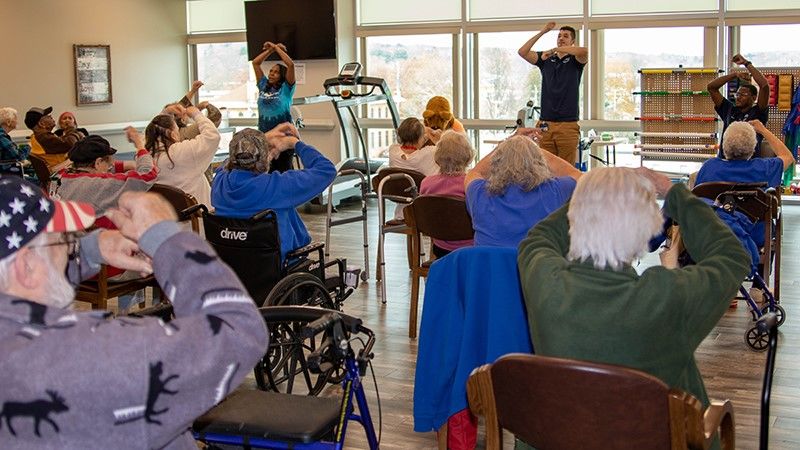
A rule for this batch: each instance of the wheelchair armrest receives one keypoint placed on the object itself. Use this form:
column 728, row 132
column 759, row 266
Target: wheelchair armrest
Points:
column 190, row 211
column 304, row 251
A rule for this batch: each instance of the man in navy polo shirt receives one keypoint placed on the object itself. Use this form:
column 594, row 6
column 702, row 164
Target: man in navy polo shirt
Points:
column 751, row 104
column 562, row 68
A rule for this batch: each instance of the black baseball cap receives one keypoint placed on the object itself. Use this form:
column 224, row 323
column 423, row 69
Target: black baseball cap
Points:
column 34, row 115
column 90, row 148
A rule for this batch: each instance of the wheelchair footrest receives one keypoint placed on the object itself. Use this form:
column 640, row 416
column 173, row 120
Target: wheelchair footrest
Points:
column 271, row 415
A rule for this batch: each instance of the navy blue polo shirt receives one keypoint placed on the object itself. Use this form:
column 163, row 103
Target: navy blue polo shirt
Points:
column 730, row 113
column 561, row 78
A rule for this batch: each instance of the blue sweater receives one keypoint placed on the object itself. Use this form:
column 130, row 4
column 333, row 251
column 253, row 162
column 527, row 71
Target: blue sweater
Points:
column 242, row 193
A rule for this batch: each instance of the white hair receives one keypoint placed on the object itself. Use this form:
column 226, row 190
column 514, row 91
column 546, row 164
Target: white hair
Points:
column 612, row 215
column 7, row 114
column 516, row 161
column 739, row 141
column 59, row 293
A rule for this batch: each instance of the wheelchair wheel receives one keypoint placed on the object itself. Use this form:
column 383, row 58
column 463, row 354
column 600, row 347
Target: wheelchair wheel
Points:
column 778, row 310
column 756, row 340
column 285, row 366
column 299, row 288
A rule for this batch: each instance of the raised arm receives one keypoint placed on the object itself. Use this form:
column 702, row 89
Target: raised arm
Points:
column 525, row 51
column 479, row 171
column 581, row 54
column 780, row 149
column 715, row 84
column 758, row 78
column 559, row 167
column 269, row 48
column 280, row 49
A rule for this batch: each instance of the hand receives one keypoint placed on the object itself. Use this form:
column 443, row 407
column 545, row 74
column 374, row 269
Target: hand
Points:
column 433, row 135
column 533, row 133
column 136, row 212
column 176, row 110
column 549, row 26
column 268, row 46
column 738, row 59
column 281, row 46
column 134, row 137
column 548, row 53
column 202, row 105
column 196, row 85
column 192, row 111
column 279, row 144
column 121, row 252
column 758, row 126
column 659, row 180
column 284, row 129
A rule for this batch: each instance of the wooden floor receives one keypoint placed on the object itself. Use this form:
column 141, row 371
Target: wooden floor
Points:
column 729, row 368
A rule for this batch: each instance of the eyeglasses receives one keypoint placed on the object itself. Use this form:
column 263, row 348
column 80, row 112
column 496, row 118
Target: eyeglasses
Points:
column 73, row 269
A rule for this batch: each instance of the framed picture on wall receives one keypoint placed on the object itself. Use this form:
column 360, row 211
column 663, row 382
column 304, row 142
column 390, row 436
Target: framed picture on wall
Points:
column 92, row 74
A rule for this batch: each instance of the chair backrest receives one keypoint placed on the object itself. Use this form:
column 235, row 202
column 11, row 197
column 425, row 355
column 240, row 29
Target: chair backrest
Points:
column 179, row 200
column 397, row 186
column 559, row 403
column 251, row 247
column 749, row 198
column 440, row 217
column 41, row 170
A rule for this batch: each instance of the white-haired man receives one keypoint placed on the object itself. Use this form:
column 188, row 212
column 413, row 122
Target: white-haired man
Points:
column 584, row 299
column 82, row 380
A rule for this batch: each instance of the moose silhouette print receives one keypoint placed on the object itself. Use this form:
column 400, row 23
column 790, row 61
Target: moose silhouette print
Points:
column 148, row 412
column 39, row 410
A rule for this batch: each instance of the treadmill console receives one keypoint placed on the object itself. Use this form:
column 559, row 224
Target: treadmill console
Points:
column 349, row 72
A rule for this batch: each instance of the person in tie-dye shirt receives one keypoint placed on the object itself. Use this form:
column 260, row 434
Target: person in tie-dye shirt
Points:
column 275, row 92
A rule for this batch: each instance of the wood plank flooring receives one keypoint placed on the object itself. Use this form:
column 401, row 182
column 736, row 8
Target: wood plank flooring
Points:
column 729, row 368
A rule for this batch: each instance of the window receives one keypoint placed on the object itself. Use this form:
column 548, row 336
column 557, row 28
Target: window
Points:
column 628, row 50
column 653, row 6
column 744, row 5
column 771, row 45
column 208, row 16
column 228, row 77
column 375, row 12
column 415, row 67
column 511, row 9
column 507, row 81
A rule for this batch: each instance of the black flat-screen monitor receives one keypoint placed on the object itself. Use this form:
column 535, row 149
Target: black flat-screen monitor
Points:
column 306, row 27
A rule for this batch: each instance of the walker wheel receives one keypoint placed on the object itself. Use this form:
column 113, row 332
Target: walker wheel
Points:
column 363, row 276
column 778, row 310
column 756, row 340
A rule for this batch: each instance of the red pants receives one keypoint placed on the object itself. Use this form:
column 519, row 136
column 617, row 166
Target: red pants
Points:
column 462, row 431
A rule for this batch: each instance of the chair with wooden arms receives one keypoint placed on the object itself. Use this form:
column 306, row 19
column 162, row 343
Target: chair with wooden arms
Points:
column 181, row 201
column 554, row 403
column 438, row 217
column 400, row 186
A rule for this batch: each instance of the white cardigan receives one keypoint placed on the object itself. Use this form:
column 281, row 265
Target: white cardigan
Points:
column 190, row 159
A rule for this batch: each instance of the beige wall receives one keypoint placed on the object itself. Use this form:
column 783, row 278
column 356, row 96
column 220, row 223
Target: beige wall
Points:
column 148, row 55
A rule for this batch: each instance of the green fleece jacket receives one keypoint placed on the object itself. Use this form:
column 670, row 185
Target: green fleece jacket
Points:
column 653, row 322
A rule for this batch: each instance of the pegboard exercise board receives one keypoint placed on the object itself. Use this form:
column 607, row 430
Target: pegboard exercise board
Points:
column 677, row 115
column 777, row 115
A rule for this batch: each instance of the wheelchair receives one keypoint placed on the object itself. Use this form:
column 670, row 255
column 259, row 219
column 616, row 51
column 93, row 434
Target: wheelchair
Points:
column 741, row 206
column 252, row 418
column 251, row 247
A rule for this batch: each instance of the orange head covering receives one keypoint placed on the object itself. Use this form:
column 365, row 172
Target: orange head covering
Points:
column 437, row 114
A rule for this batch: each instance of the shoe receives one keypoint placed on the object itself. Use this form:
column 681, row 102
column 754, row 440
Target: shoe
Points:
column 734, row 304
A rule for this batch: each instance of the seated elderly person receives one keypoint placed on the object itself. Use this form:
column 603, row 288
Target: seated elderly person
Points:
column 514, row 187
column 9, row 151
column 244, row 186
column 126, row 382
column 739, row 166
column 585, row 300
column 44, row 143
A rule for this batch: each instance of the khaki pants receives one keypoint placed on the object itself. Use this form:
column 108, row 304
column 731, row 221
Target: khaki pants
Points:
column 561, row 139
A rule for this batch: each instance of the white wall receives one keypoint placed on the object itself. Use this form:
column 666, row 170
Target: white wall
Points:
column 148, row 55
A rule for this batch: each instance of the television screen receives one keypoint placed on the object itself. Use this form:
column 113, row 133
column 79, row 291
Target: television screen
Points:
column 306, row 27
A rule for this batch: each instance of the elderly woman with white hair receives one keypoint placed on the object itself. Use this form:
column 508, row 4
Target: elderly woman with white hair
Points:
column 585, row 300
column 513, row 188
column 244, row 186
column 9, row 151
column 739, row 142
